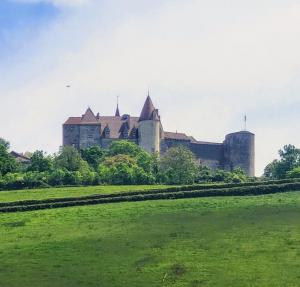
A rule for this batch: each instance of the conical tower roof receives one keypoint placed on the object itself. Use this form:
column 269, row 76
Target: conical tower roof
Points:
column 117, row 114
column 147, row 111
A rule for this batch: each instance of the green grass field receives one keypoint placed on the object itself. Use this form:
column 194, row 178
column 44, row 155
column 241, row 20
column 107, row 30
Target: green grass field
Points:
column 221, row 241
column 64, row 192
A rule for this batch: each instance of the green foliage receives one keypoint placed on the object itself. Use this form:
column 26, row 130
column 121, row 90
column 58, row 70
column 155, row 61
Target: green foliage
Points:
column 69, row 159
column 124, row 169
column 295, row 173
column 289, row 160
column 178, row 166
column 5, row 143
column 40, row 162
column 169, row 193
column 205, row 174
column 7, row 162
column 93, row 156
column 124, row 147
column 124, row 163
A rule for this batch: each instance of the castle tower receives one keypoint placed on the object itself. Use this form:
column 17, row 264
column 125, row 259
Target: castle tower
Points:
column 239, row 151
column 149, row 127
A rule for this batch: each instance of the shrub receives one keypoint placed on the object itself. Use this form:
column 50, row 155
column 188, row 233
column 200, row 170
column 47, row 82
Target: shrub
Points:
column 57, row 177
column 295, row 173
column 178, row 166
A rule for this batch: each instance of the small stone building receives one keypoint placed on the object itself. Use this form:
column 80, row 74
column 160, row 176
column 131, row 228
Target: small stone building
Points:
column 237, row 150
column 20, row 157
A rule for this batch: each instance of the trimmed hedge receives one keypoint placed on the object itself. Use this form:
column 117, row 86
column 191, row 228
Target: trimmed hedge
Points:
column 235, row 191
column 187, row 188
column 34, row 183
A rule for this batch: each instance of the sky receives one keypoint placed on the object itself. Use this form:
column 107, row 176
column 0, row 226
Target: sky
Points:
column 206, row 64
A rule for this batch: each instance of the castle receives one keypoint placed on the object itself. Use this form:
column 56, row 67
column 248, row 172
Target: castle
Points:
column 237, row 150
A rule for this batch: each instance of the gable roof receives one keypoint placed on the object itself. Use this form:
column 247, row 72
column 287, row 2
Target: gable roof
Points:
column 116, row 125
column 89, row 116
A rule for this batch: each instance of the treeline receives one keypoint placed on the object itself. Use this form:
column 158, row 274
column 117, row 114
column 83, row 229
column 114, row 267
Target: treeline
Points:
column 287, row 166
column 123, row 163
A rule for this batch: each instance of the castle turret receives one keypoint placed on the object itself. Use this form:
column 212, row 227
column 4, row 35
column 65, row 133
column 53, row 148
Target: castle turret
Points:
column 239, row 151
column 149, row 127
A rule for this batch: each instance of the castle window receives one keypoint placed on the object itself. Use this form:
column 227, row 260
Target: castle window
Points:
column 107, row 132
column 133, row 133
column 125, row 133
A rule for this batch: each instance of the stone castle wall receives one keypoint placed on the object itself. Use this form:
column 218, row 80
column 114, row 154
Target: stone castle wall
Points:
column 89, row 136
column 237, row 150
column 149, row 135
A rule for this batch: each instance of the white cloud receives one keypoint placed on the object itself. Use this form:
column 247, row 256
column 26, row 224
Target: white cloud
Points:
column 206, row 62
column 56, row 2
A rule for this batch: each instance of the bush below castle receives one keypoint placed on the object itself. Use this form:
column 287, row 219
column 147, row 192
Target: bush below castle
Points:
column 124, row 163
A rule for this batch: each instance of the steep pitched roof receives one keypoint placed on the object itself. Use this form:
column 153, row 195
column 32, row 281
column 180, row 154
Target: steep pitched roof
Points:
column 147, row 111
column 117, row 112
column 115, row 125
column 89, row 116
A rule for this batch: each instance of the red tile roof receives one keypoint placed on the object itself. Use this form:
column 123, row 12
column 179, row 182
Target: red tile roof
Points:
column 115, row 124
column 176, row 136
column 184, row 137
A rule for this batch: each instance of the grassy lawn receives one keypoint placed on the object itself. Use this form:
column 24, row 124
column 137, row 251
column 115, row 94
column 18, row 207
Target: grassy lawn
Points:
column 232, row 241
column 36, row 194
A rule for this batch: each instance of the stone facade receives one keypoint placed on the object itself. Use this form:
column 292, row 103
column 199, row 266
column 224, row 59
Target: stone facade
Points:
column 237, row 150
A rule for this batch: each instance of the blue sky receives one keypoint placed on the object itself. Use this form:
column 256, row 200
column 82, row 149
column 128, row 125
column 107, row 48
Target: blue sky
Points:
column 19, row 23
column 207, row 63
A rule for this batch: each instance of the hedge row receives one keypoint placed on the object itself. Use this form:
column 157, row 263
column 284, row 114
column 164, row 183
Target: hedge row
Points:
column 236, row 191
column 187, row 188
column 30, row 183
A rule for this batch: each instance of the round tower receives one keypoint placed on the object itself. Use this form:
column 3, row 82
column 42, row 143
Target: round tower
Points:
column 239, row 151
column 149, row 128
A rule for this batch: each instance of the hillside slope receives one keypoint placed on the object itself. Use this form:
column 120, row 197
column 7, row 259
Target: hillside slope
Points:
column 222, row 241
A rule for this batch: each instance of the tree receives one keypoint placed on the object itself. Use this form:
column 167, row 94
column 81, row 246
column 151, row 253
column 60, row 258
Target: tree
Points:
column 220, row 175
column 124, row 169
column 295, row 173
column 270, row 169
column 69, row 159
column 118, row 169
column 40, row 162
column 204, row 174
column 178, row 166
column 237, row 175
column 5, row 143
column 124, row 147
column 289, row 159
column 94, row 156
column 7, row 162
column 76, row 170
